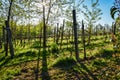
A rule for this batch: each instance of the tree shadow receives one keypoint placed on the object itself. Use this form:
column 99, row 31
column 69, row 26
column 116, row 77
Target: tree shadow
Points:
column 28, row 53
column 94, row 45
column 45, row 74
column 5, row 62
column 6, row 59
column 68, row 66
column 37, row 67
column 105, row 54
column 88, row 74
column 1, row 59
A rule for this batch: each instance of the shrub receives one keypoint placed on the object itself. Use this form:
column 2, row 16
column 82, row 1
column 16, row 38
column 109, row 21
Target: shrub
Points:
column 9, row 74
column 36, row 45
column 54, row 48
column 64, row 62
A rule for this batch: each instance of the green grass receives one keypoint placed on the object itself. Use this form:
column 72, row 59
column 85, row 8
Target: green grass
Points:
column 102, row 62
column 64, row 62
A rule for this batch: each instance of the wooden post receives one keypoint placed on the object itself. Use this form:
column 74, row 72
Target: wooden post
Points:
column 75, row 36
column 62, row 33
column 83, row 39
column 54, row 34
column 114, row 31
column 57, row 34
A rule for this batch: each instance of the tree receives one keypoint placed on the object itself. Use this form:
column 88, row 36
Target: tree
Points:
column 92, row 16
column 115, row 9
column 44, row 28
column 9, row 35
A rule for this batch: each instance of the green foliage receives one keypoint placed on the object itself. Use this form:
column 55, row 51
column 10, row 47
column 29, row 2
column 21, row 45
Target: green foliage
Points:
column 69, row 24
column 117, row 46
column 92, row 16
column 64, row 62
column 54, row 48
column 13, row 72
column 70, row 49
column 106, row 53
column 21, row 57
column 114, row 9
column 36, row 45
column 118, row 39
column 9, row 74
column 104, row 65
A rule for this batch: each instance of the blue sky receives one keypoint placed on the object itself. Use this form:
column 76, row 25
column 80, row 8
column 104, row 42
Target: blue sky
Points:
column 105, row 6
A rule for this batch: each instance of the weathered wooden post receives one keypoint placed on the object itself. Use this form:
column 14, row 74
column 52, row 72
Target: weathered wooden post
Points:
column 62, row 33
column 114, row 28
column 54, row 34
column 83, row 39
column 57, row 34
column 75, row 36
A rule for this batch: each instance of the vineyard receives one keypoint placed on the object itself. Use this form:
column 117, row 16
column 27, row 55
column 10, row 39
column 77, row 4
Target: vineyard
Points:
column 59, row 40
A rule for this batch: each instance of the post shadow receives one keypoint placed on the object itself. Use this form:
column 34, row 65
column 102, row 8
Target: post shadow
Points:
column 89, row 72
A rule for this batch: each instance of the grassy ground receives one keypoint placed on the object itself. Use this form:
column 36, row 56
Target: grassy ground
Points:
column 103, row 63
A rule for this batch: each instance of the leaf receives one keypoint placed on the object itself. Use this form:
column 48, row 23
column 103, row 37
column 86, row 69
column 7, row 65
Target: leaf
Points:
column 94, row 4
column 113, row 10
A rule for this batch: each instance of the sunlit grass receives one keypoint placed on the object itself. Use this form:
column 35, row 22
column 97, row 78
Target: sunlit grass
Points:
column 100, row 56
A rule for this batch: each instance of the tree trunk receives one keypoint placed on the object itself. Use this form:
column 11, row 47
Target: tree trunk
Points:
column 54, row 34
column 40, row 37
column 75, row 36
column 4, row 39
column 9, row 35
column 9, row 41
column 83, row 39
column 57, row 34
column 62, row 29
column 96, row 32
column 6, row 43
column 28, row 34
column 21, row 38
column 44, row 30
column 114, row 31
column 44, row 58
column 50, row 6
